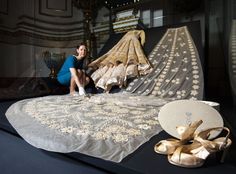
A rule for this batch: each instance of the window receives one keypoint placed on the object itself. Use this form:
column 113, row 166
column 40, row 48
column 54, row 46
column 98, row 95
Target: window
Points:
column 152, row 18
column 157, row 18
column 145, row 17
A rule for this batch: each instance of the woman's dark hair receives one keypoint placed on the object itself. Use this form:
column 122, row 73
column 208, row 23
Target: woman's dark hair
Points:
column 82, row 43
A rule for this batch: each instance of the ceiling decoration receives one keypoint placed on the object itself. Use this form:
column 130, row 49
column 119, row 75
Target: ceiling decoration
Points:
column 111, row 4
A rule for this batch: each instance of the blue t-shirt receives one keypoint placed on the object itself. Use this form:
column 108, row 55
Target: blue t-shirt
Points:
column 64, row 74
column 70, row 62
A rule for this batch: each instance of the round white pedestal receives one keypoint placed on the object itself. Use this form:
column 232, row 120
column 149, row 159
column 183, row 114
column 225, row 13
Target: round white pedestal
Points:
column 185, row 112
column 215, row 105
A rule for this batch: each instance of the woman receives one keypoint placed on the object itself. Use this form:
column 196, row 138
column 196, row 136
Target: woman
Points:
column 72, row 73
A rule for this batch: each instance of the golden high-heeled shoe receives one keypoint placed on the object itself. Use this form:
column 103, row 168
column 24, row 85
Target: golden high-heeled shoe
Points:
column 187, row 133
column 218, row 144
column 168, row 146
column 195, row 154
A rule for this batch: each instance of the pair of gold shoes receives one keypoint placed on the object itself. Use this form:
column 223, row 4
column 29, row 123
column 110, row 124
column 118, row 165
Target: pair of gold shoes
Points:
column 193, row 148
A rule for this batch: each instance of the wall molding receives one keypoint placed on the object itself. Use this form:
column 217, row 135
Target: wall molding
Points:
column 46, row 28
column 49, row 30
column 35, row 20
column 4, row 7
column 45, row 9
column 29, row 38
column 64, row 7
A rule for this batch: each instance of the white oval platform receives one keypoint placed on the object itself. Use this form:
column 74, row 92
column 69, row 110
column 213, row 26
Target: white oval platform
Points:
column 184, row 112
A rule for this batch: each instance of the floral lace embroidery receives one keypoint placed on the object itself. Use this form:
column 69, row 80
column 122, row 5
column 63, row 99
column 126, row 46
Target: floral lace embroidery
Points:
column 100, row 117
column 176, row 67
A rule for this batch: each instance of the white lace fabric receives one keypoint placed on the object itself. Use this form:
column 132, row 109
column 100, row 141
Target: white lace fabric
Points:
column 108, row 126
column 112, row 126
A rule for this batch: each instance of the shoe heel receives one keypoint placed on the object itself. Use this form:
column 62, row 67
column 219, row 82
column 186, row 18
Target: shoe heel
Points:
column 224, row 154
